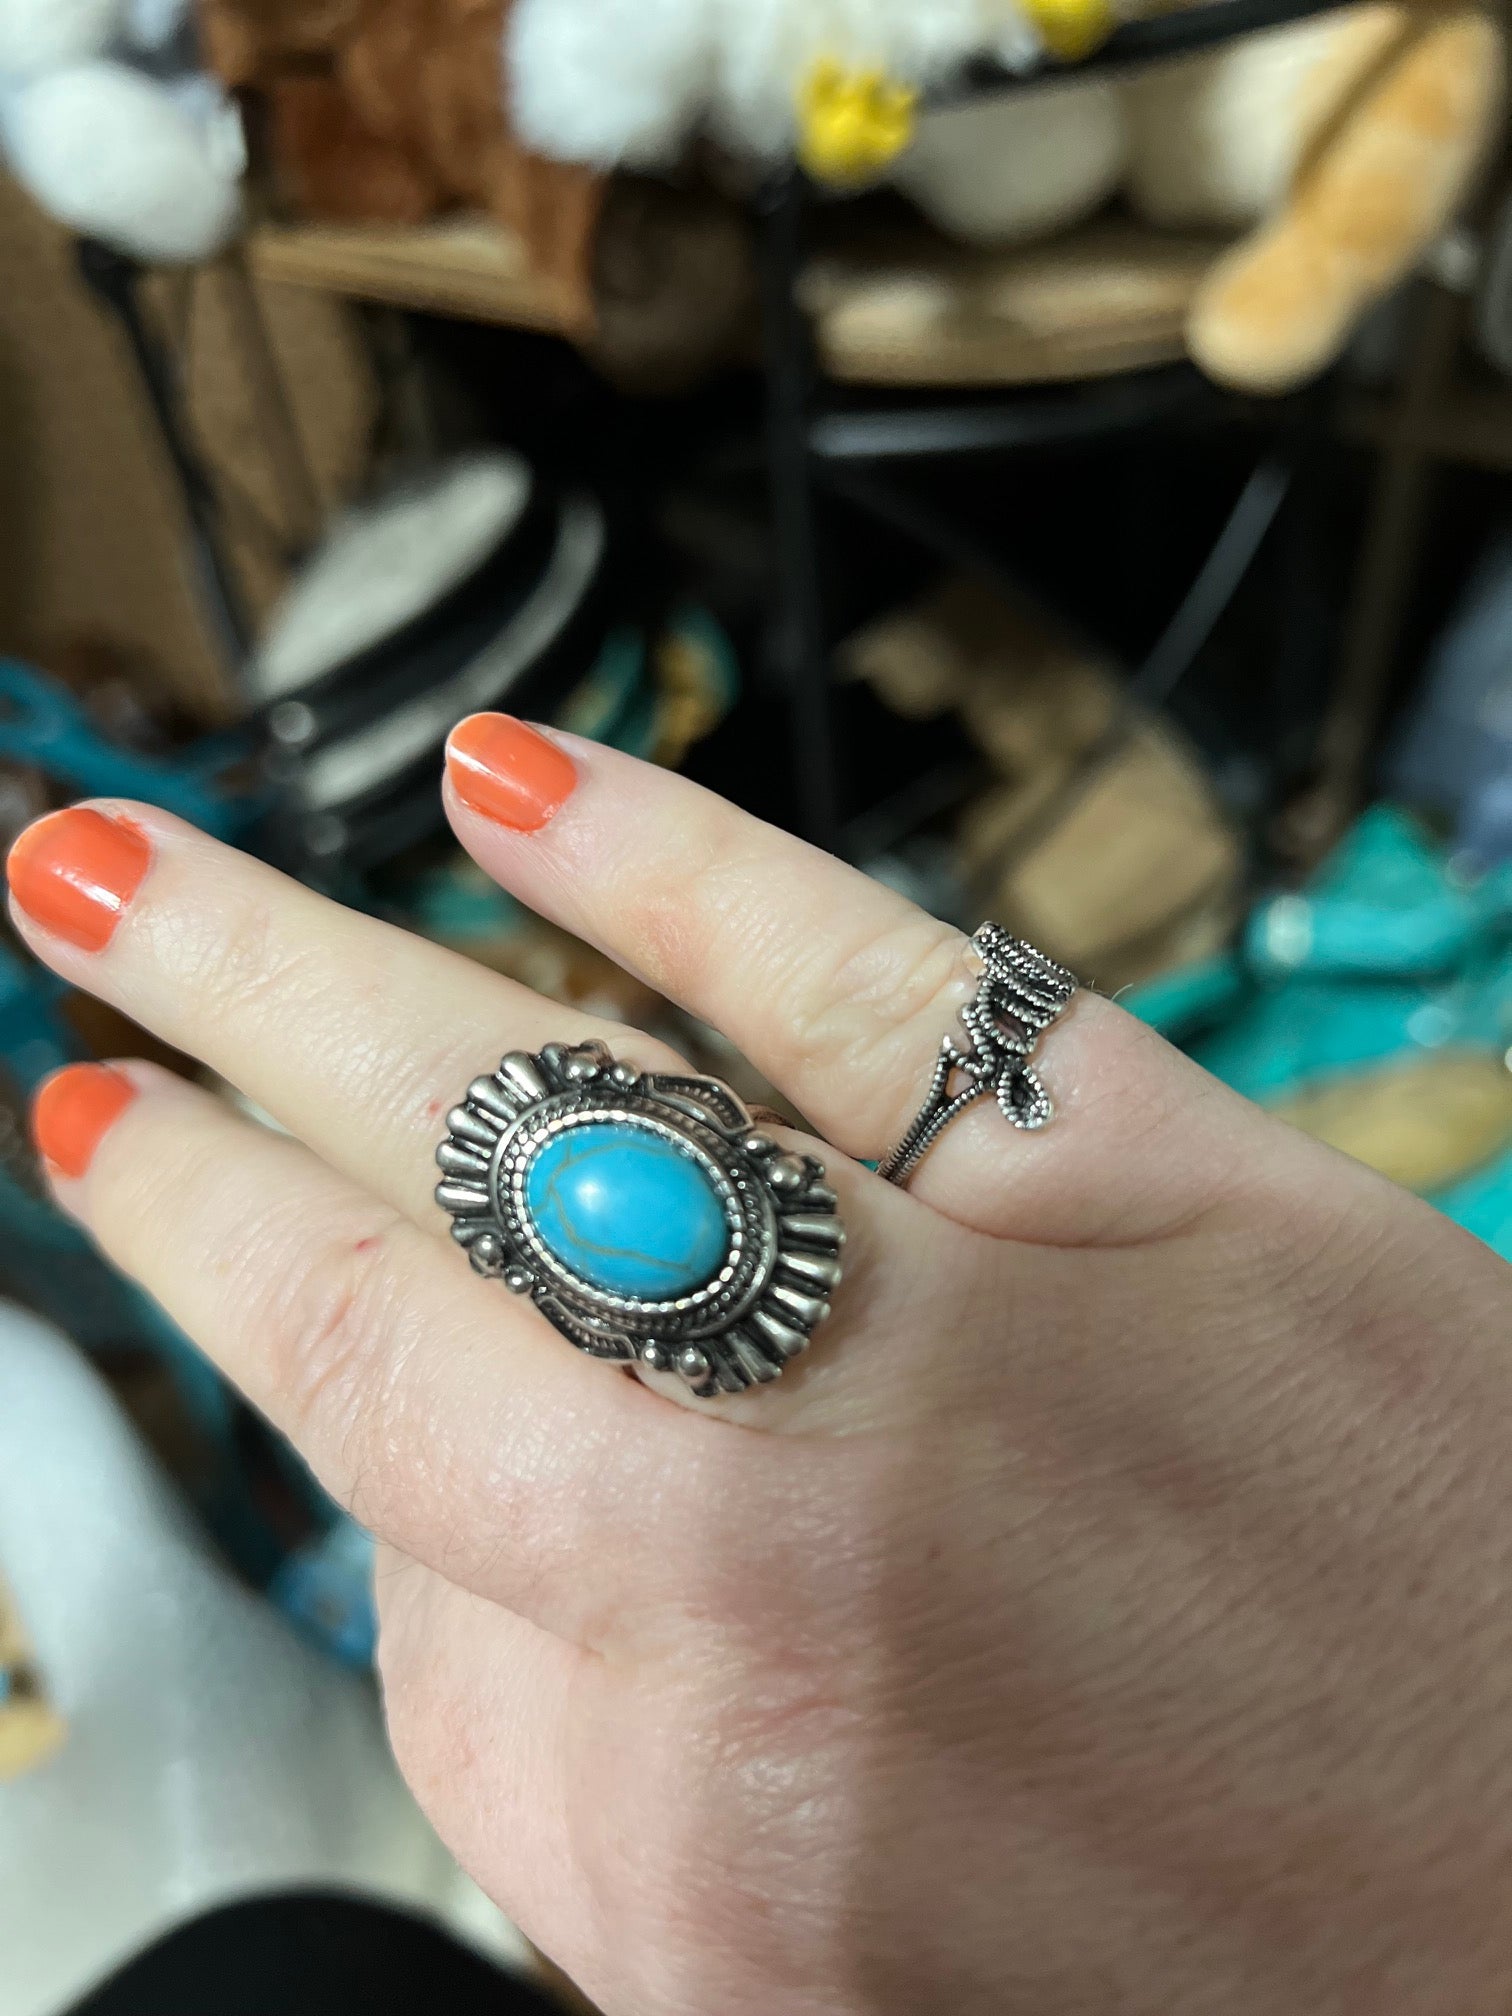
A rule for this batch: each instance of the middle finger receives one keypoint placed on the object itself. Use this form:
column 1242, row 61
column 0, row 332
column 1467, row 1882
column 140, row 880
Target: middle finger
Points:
column 839, row 989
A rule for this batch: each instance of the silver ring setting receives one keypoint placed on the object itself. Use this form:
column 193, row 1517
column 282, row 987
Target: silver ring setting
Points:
column 643, row 1214
column 1020, row 994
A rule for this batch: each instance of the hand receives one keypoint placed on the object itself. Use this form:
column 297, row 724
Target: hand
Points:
column 1113, row 1613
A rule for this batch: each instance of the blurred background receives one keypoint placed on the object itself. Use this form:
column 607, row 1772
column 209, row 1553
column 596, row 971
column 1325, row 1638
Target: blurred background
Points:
column 1052, row 453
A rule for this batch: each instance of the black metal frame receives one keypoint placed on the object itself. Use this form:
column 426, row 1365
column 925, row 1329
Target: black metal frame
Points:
column 114, row 280
column 816, row 445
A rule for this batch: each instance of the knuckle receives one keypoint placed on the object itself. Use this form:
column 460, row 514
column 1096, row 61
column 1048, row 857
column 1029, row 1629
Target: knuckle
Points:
column 769, row 1777
column 540, row 1506
column 872, row 1008
column 436, row 1712
column 325, row 1329
column 237, row 962
column 869, row 1001
column 153, row 1183
column 687, row 922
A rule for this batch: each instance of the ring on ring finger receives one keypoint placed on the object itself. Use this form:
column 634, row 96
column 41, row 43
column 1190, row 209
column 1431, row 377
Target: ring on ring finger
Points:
column 644, row 1214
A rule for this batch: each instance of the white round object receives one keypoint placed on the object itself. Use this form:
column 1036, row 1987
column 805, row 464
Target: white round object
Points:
column 387, row 563
column 623, row 82
column 115, row 155
column 1214, row 140
column 382, row 751
column 39, row 35
column 210, row 1755
column 998, row 171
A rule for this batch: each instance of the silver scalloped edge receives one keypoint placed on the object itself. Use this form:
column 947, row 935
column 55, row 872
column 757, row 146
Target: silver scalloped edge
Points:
column 754, row 1317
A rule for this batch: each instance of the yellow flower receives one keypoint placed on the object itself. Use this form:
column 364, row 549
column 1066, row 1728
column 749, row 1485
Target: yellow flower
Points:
column 853, row 124
column 1071, row 29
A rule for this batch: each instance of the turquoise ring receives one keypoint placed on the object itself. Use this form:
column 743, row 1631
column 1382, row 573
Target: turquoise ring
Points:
column 644, row 1214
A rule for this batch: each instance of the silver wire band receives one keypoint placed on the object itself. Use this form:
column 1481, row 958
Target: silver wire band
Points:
column 1021, row 992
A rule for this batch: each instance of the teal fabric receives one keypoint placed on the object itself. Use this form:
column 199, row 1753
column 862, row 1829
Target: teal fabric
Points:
column 1392, row 951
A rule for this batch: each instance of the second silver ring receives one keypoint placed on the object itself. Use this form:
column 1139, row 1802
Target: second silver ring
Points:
column 1021, row 992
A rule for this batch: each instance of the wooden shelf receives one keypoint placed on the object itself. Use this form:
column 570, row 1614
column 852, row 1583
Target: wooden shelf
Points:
column 896, row 307
column 468, row 267
column 914, row 308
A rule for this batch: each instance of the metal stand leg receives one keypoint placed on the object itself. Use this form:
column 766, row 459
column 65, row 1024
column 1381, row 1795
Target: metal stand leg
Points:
column 1386, row 575
column 277, row 420
column 800, row 644
column 1153, row 686
column 113, row 281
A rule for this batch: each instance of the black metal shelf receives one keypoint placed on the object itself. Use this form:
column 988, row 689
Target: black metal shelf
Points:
column 1159, row 38
column 823, row 440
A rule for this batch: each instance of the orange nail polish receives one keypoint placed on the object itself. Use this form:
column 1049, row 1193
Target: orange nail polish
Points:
column 508, row 772
column 75, row 872
column 74, row 1112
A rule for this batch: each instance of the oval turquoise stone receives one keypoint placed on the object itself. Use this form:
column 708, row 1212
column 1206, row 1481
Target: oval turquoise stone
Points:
column 627, row 1211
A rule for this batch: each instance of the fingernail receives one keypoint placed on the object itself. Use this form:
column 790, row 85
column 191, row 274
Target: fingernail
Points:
column 75, row 873
column 508, row 772
column 74, row 1112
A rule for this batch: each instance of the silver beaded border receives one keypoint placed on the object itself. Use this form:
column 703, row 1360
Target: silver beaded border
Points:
column 741, row 1328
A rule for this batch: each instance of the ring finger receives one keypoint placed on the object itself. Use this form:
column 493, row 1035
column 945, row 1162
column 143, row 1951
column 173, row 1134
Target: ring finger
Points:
column 839, row 989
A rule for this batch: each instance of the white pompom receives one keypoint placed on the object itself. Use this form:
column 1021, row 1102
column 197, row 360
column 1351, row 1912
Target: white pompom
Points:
column 117, row 156
column 618, row 82
column 39, row 35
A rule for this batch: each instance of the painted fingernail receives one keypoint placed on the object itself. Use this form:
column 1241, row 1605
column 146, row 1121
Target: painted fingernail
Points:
column 74, row 1112
column 508, row 772
column 76, row 872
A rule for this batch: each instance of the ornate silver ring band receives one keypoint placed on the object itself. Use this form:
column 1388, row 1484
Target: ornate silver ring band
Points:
column 645, row 1215
column 1020, row 993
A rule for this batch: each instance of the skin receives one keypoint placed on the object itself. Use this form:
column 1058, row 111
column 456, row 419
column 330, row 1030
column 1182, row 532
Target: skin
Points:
column 1110, row 1615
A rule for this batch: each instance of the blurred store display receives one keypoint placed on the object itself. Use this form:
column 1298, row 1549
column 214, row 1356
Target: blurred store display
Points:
column 1453, row 756
column 1140, row 867
column 109, row 118
column 31, row 1729
column 1374, row 1008
column 211, row 1757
